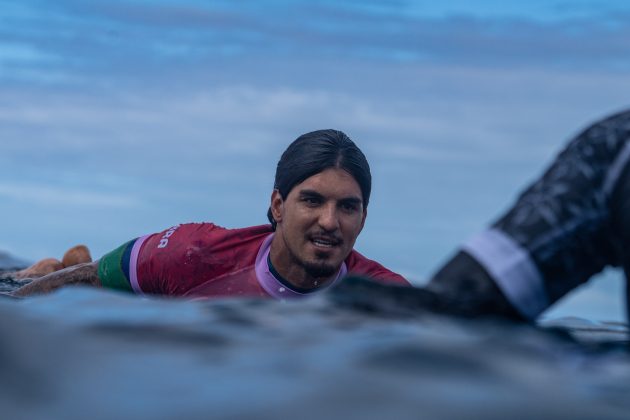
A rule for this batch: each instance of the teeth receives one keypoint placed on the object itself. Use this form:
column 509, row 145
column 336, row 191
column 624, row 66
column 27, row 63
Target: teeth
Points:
column 323, row 243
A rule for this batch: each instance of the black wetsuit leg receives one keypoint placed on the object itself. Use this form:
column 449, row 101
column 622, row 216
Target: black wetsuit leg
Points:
column 560, row 232
column 620, row 217
column 464, row 283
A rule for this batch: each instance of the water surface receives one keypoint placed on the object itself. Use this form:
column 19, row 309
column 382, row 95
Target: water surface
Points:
column 84, row 352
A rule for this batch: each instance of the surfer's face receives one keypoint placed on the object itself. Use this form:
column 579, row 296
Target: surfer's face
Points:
column 318, row 224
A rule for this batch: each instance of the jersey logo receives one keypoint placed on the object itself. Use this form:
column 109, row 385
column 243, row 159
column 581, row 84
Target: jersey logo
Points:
column 164, row 239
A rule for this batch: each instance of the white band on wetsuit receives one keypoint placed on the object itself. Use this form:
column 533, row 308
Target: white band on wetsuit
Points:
column 133, row 264
column 615, row 170
column 512, row 269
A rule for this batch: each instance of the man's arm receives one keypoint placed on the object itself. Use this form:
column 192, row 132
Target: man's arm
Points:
column 86, row 273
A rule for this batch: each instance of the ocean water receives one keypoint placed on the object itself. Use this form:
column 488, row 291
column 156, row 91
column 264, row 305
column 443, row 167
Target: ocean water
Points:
column 350, row 353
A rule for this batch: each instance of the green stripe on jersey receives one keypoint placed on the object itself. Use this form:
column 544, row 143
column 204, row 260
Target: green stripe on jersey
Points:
column 110, row 270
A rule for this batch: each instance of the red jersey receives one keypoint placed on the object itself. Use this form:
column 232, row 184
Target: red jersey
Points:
column 205, row 260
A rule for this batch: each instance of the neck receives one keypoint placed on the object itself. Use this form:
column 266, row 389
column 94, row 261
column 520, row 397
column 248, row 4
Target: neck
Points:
column 290, row 285
column 291, row 272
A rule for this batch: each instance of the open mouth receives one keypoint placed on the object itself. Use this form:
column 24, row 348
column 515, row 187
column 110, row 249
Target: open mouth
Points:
column 325, row 242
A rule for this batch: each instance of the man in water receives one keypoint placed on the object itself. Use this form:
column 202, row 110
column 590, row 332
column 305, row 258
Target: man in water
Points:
column 318, row 208
column 567, row 226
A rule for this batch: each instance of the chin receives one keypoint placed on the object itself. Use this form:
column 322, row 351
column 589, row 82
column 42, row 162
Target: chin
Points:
column 321, row 269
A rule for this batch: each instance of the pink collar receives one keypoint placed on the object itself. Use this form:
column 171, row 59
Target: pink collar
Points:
column 271, row 285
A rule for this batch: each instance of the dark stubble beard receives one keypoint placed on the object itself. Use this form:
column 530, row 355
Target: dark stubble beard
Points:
column 317, row 270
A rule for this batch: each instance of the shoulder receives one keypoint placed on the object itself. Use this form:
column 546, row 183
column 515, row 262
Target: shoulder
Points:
column 359, row 264
column 206, row 233
column 191, row 241
column 182, row 257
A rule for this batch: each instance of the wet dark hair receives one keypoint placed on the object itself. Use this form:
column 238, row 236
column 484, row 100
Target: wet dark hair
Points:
column 314, row 152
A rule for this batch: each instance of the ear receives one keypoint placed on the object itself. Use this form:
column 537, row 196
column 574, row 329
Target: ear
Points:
column 277, row 206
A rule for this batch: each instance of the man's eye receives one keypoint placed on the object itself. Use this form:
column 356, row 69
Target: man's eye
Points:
column 350, row 208
column 312, row 201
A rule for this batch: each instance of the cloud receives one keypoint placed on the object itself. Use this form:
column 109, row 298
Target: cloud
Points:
column 415, row 113
column 57, row 195
column 131, row 40
column 16, row 52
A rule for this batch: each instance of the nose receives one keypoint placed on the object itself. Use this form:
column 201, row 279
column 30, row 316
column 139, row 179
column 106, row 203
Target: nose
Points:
column 328, row 218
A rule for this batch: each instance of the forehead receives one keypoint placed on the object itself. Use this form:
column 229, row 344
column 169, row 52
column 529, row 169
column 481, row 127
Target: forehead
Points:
column 331, row 182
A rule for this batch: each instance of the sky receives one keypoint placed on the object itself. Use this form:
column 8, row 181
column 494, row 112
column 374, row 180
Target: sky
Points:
column 120, row 118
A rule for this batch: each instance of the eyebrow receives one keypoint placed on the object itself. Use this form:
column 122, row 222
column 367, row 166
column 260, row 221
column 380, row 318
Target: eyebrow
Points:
column 352, row 200
column 349, row 200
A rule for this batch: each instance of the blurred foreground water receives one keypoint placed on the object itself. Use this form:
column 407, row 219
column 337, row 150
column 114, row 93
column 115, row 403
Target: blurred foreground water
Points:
column 89, row 353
